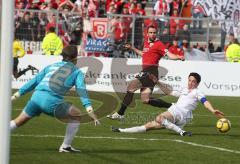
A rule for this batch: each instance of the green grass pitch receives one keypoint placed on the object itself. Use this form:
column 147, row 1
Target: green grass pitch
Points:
column 38, row 141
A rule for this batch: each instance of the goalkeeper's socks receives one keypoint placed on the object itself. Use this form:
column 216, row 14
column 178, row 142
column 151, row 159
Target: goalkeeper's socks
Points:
column 137, row 129
column 167, row 124
column 12, row 125
column 71, row 131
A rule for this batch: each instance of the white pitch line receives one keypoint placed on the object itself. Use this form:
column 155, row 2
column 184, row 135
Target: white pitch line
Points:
column 127, row 138
column 199, row 115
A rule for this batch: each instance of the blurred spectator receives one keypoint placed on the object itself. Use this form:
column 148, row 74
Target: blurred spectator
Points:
column 161, row 9
column 75, row 36
column 139, row 9
column 102, row 10
column 174, row 23
column 198, row 13
column 165, row 37
column 67, row 4
column 24, row 28
column 184, row 36
column 19, row 52
column 231, row 39
column 211, row 47
column 138, row 33
column 43, row 21
column 175, row 49
column 143, row 2
column 52, row 23
column 52, row 44
column 91, row 7
column 117, row 29
column 186, row 11
column 127, row 24
column 35, row 25
column 233, row 52
column 174, row 5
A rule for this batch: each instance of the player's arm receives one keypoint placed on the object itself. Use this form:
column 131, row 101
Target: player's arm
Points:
column 83, row 94
column 137, row 51
column 202, row 98
column 29, row 86
column 173, row 56
column 210, row 108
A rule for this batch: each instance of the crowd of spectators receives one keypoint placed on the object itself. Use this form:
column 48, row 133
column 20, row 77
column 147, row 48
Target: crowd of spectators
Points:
column 34, row 18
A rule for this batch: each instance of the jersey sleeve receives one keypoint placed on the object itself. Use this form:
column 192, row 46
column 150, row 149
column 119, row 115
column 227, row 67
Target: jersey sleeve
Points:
column 81, row 90
column 30, row 85
column 177, row 93
column 201, row 97
column 162, row 48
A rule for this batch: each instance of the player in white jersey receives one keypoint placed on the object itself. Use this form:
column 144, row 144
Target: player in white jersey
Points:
column 176, row 117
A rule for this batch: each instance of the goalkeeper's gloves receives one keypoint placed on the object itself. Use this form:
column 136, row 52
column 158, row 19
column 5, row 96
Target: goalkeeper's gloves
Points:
column 92, row 115
column 15, row 96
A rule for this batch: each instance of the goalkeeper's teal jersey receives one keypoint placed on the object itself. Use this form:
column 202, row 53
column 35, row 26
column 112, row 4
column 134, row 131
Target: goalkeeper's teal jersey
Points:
column 52, row 83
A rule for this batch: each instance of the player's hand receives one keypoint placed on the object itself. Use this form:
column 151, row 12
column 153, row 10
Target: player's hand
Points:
column 97, row 122
column 218, row 114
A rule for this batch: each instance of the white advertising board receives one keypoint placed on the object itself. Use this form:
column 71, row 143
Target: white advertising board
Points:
column 113, row 75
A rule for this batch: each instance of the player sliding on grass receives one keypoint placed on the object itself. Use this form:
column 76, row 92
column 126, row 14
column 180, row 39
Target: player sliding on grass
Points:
column 50, row 85
column 177, row 115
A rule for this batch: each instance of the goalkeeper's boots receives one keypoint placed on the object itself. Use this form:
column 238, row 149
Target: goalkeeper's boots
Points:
column 68, row 149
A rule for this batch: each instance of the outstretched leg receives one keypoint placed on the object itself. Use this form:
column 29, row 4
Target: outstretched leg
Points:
column 132, row 87
column 161, row 121
column 145, row 97
column 19, row 121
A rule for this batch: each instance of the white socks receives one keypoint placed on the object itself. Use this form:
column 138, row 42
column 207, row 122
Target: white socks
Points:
column 171, row 126
column 12, row 125
column 71, row 131
column 137, row 129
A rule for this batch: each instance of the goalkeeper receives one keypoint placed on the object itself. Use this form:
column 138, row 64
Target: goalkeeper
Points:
column 50, row 85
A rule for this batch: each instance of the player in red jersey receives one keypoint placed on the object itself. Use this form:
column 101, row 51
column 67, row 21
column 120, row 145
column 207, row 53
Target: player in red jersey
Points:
column 153, row 51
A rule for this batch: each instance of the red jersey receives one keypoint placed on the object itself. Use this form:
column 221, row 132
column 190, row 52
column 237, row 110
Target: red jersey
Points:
column 152, row 53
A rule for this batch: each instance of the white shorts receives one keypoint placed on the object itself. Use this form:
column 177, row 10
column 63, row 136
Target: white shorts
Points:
column 180, row 118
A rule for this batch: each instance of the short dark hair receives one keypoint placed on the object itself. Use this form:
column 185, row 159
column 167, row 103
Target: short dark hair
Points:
column 69, row 52
column 196, row 76
column 51, row 29
column 151, row 26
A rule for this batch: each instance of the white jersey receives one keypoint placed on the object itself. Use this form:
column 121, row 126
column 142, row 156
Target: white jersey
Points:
column 188, row 99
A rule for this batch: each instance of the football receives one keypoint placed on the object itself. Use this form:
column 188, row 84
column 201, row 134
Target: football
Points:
column 223, row 125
